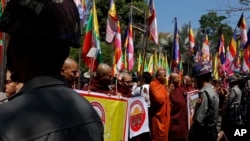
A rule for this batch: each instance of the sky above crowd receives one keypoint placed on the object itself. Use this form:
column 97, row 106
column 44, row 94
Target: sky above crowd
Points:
column 192, row 10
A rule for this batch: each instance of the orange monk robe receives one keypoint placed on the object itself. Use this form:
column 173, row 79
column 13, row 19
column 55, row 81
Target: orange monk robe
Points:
column 159, row 113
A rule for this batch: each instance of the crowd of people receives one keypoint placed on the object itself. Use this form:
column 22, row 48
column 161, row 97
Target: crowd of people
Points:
column 167, row 102
column 40, row 102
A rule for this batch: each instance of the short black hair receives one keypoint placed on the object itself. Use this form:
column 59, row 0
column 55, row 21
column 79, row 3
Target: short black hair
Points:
column 47, row 54
column 147, row 77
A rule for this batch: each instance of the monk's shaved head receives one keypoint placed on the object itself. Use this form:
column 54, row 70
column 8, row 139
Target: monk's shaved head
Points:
column 103, row 69
column 174, row 75
column 125, row 76
column 160, row 71
column 187, row 78
column 69, row 62
column 161, row 75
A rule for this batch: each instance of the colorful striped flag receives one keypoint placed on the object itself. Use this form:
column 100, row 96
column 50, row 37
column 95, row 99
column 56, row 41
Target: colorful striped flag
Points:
column 243, row 30
column 205, row 50
column 113, row 35
column 151, row 65
column 246, row 57
column 215, row 67
column 139, row 63
column 231, row 55
column 191, row 39
column 129, row 45
column 118, row 48
column 145, row 66
column 222, row 53
column 156, row 63
column 112, row 22
column 152, row 22
column 222, row 49
column 91, row 53
column 176, row 51
column 166, row 66
column 84, row 14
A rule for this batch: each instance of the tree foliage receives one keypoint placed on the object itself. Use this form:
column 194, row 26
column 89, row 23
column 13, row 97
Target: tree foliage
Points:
column 213, row 25
column 123, row 12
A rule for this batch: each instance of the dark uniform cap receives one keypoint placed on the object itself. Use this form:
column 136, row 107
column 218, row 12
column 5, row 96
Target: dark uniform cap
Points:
column 201, row 68
column 56, row 19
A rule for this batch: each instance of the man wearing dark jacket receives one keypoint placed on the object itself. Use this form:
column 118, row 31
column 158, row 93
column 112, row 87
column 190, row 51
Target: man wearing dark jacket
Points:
column 45, row 109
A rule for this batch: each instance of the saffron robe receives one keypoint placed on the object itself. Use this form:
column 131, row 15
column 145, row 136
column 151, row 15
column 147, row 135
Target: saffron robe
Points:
column 159, row 112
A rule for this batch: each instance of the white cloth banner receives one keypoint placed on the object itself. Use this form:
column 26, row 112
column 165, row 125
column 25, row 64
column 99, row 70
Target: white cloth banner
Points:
column 138, row 116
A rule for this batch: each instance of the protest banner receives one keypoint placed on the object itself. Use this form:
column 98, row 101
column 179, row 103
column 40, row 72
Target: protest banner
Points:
column 138, row 116
column 192, row 99
column 113, row 113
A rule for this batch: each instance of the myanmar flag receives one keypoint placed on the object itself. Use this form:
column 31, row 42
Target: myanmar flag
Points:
column 91, row 51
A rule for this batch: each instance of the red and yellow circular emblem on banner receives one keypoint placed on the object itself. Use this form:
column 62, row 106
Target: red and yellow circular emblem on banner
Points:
column 137, row 115
column 100, row 110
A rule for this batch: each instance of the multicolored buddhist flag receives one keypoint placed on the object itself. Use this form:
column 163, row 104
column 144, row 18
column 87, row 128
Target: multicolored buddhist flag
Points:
column 129, row 46
column 91, row 51
column 139, row 63
column 113, row 35
column 112, row 22
column 118, row 48
column 176, row 51
column 166, row 66
column 145, row 66
column 156, row 63
column 243, row 30
column 215, row 67
column 205, row 50
column 191, row 39
column 231, row 55
column 151, row 65
column 222, row 49
column 152, row 22
column 246, row 55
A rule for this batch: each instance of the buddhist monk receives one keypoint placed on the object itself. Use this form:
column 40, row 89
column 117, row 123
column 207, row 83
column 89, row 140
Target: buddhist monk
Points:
column 159, row 113
column 102, row 80
column 70, row 72
column 178, row 130
column 124, row 85
column 188, row 83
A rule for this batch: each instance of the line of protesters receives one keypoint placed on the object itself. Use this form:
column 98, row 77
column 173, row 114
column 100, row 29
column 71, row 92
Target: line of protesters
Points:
column 214, row 116
column 168, row 114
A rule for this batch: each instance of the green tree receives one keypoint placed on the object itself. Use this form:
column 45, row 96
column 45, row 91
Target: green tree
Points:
column 123, row 12
column 212, row 24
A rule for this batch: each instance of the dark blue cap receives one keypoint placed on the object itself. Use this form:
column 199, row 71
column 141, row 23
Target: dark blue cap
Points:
column 201, row 68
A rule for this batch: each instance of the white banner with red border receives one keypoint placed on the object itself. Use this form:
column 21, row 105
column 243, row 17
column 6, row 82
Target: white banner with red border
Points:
column 138, row 116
